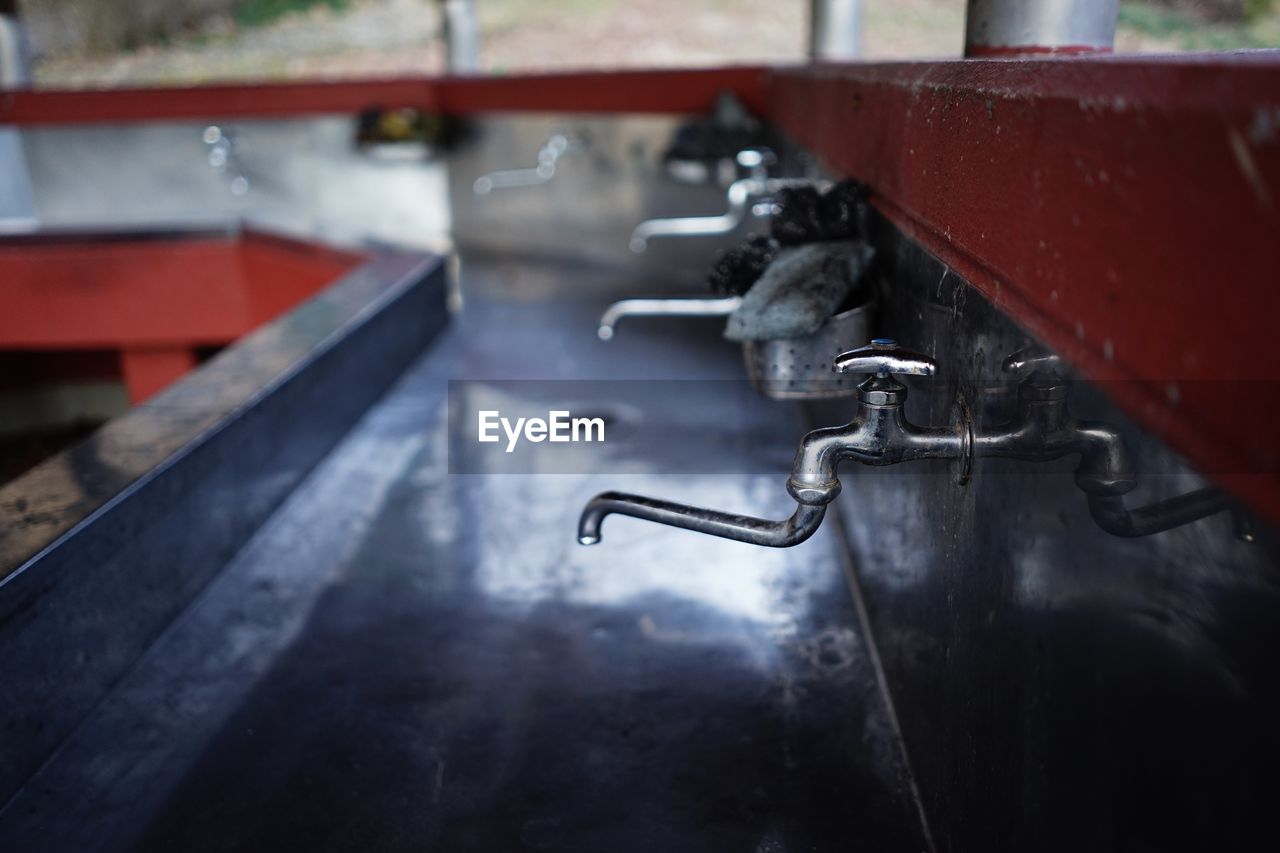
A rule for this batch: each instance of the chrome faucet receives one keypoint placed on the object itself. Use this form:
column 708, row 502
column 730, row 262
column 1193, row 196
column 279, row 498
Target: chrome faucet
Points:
column 880, row 434
column 674, row 306
column 737, row 197
column 1044, row 429
column 556, row 146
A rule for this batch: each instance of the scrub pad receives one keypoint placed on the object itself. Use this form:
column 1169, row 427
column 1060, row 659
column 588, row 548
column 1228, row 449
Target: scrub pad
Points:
column 738, row 268
column 798, row 291
column 807, row 216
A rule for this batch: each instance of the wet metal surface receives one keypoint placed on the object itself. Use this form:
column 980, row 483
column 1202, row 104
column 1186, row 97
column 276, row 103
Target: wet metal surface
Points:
column 613, row 180
column 402, row 659
column 102, row 546
column 1059, row 688
column 304, row 176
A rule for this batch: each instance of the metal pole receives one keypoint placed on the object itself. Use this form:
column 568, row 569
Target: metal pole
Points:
column 1030, row 27
column 461, row 36
column 14, row 70
column 17, row 198
column 835, row 29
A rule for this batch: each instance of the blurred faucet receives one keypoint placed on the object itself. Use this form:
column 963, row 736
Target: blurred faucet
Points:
column 738, row 195
column 17, row 196
column 682, row 306
column 557, row 146
column 461, row 36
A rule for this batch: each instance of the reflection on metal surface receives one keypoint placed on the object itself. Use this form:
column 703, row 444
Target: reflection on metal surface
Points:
column 433, row 642
column 305, row 177
column 684, row 306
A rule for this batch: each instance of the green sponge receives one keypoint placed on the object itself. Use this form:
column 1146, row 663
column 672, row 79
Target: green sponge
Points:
column 799, row 291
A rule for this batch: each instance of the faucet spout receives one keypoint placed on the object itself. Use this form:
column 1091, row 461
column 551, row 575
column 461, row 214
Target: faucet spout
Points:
column 737, row 196
column 742, row 528
column 1111, row 514
column 878, row 435
column 680, row 306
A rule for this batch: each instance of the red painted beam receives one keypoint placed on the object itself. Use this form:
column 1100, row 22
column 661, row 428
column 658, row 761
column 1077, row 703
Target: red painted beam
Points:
column 675, row 91
column 1124, row 210
column 257, row 100
column 666, row 91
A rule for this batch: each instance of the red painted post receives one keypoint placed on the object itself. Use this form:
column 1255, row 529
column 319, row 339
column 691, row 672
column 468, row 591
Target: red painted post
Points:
column 148, row 371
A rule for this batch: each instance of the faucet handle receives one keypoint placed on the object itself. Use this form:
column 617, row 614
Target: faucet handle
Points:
column 884, row 357
column 753, row 158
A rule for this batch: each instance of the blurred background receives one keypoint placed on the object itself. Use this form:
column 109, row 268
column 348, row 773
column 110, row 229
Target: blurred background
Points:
column 127, row 42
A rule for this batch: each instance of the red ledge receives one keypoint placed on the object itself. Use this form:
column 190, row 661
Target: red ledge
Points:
column 666, row 91
column 1125, row 211
column 995, row 51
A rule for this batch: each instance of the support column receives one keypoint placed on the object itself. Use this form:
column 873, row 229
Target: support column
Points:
column 149, row 371
column 835, row 29
column 461, row 36
column 1039, row 27
column 17, row 198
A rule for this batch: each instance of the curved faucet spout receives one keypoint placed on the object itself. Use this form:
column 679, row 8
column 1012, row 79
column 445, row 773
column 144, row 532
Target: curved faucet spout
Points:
column 738, row 194
column 743, row 528
column 1111, row 514
column 737, row 197
column 687, row 306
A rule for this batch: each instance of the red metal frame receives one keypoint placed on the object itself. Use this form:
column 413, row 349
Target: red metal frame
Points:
column 1124, row 210
column 675, row 91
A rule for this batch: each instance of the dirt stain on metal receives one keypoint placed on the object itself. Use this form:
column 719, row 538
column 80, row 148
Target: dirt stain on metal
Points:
column 1248, row 168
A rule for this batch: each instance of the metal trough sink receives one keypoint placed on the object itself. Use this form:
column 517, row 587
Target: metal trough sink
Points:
column 264, row 610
